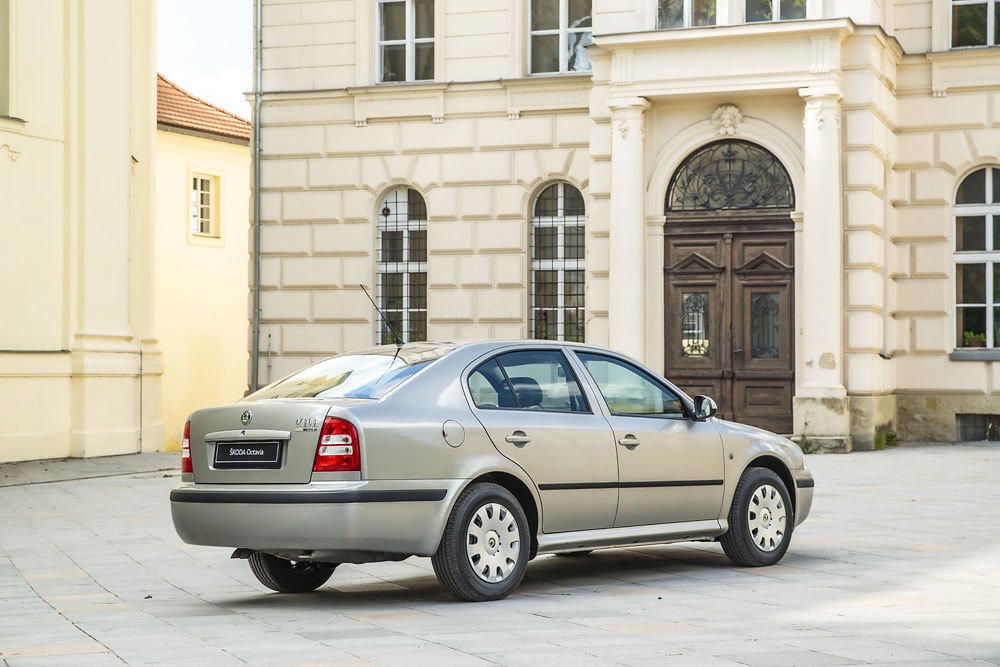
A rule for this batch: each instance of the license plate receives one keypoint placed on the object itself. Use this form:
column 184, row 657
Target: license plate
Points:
column 265, row 454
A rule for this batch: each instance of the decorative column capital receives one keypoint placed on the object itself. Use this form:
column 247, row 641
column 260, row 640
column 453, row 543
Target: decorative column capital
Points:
column 626, row 104
column 816, row 94
column 822, row 105
column 628, row 112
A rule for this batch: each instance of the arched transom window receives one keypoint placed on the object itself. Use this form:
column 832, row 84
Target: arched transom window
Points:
column 730, row 174
column 557, row 264
column 402, row 265
column 977, row 259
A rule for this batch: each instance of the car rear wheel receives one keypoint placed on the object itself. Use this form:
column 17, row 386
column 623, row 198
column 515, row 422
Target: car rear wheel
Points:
column 484, row 549
column 760, row 520
column 286, row 576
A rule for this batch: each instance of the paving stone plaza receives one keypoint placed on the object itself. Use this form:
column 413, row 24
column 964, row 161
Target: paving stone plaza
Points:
column 898, row 563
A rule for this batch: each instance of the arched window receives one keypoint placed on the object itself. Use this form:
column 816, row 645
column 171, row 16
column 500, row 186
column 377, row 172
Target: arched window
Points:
column 402, row 265
column 557, row 252
column 977, row 259
column 730, row 175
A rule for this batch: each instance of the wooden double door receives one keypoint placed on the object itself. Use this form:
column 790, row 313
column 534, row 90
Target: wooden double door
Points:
column 730, row 314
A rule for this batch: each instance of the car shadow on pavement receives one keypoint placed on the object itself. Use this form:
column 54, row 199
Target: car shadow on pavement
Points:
column 546, row 575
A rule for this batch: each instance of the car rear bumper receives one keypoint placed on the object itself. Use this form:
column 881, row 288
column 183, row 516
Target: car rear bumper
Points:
column 391, row 516
column 804, row 485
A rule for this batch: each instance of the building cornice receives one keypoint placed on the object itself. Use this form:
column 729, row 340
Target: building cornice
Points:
column 742, row 31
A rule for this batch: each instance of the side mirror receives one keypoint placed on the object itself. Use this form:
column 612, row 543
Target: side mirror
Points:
column 704, row 408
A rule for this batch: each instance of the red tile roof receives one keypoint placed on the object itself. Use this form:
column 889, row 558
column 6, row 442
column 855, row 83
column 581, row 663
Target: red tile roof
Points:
column 178, row 108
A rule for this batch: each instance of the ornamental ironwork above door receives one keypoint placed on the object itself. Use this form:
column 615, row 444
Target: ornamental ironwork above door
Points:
column 730, row 175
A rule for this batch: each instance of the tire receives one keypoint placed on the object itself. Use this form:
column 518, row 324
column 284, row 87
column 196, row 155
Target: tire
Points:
column 575, row 554
column 286, row 576
column 761, row 520
column 487, row 530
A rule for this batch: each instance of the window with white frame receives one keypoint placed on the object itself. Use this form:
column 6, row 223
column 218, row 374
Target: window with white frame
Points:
column 4, row 58
column 405, row 40
column 560, row 32
column 402, row 265
column 557, row 264
column 977, row 259
column 975, row 23
column 774, row 10
column 204, row 217
column 684, row 13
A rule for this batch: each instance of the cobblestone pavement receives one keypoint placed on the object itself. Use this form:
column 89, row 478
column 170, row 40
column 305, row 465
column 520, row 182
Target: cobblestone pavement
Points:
column 898, row 563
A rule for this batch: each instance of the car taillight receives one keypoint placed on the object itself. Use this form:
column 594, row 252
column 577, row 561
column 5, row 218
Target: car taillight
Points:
column 186, row 449
column 337, row 449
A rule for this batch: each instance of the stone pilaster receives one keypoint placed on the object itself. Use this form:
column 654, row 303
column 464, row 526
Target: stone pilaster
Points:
column 626, row 311
column 821, row 414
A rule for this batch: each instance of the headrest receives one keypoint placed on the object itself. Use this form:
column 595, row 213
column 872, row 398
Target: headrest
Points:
column 527, row 390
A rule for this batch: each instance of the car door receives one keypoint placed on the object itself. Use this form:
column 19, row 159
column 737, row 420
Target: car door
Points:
column 670, row 467
column 532, row 406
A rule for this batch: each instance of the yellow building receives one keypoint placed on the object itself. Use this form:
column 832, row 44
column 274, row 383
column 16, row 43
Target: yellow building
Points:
column 79, row 365
column 202, row 195
column 787, row 205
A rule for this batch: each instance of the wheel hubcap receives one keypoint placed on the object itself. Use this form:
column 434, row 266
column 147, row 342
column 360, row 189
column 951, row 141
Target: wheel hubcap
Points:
column 493, row 542
column 766, row 518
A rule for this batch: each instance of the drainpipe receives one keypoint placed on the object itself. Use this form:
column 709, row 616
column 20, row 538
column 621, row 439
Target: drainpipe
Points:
column 257, row 88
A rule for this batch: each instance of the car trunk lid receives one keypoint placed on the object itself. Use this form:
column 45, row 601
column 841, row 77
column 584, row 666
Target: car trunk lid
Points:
column 259, row 442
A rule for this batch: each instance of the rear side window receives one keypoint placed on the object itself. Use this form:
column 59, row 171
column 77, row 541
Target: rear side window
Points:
column 530, row 380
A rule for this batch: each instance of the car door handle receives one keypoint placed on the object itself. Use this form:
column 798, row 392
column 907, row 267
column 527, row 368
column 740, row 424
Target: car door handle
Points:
column 518, row 438
column 629, row 441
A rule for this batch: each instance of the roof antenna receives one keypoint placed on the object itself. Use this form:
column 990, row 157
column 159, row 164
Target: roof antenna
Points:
column 399, row 341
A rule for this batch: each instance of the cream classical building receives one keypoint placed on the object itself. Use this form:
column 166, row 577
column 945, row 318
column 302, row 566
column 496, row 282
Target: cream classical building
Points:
column 202, row 222
column 79, row 366
column 791, row 205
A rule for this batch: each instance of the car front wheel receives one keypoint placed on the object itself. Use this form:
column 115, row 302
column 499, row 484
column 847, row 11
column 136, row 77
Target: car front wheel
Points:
column 760, row 520
column 484, row 549
column 287, row 576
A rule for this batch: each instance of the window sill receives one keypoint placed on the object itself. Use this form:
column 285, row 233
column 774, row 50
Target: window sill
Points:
column 12, row 124
column 975, row 354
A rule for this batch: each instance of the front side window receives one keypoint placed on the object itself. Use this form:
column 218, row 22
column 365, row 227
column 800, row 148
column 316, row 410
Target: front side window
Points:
column 977, row 260
column 774, row 10
column 974, row 23
column 204, row 216
column 629, row 391
column 530, row 380
column 557, row 264
column 406, row 40
column 560, row 33
column 684, row 13
column 402, row 265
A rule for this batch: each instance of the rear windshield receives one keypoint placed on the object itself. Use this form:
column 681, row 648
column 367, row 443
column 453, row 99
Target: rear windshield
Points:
column 369, row 374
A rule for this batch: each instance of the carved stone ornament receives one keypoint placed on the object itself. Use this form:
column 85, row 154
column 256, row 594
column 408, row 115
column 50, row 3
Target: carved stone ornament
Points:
column 11, row 153
column 727, row 119
column 621, row 126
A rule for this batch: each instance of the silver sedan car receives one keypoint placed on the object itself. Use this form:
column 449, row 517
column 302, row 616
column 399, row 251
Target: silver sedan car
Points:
column 481, row 456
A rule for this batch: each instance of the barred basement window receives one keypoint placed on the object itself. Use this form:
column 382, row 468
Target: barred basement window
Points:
column 406, row 40
column 557, row 264
column 402, row 265
column 977, row 260
column 560, row 33
column 975, row 23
